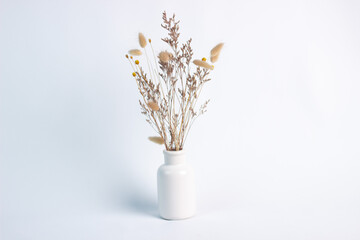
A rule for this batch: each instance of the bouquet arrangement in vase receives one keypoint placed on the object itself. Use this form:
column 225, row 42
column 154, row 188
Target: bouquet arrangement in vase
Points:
column 170, row 84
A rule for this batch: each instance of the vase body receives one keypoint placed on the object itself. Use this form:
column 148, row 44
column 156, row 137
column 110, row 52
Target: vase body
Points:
column 176, row 187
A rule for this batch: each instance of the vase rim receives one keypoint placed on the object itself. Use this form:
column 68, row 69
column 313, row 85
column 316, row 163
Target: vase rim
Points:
column 174, row 153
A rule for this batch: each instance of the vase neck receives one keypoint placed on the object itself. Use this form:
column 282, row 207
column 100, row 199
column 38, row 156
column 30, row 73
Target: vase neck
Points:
column 174, row 157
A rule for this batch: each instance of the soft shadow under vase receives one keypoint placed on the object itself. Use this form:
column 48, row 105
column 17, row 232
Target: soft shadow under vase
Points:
column 176, row 187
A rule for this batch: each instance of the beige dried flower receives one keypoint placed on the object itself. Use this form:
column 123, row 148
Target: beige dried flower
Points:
column 214, row 58
column 203, row 64
column 154, row 106
column 217, row 49
column 158, row 140
column 142, row 40
column 135, row 52
column 165, row 56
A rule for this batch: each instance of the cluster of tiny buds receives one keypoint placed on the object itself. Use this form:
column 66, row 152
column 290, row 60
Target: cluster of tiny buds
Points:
column 127, row 56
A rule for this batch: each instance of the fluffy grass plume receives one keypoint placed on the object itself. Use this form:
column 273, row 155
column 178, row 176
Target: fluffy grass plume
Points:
column 142, row 40
column 165, row 56
column 135, row 52
column 154, row 106
column 203, row 64
column 214, row 58
column 217, row 49
column 158, row 140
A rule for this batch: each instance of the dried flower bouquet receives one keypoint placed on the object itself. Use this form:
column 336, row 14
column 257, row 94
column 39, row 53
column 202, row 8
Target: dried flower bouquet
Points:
column 170, row 89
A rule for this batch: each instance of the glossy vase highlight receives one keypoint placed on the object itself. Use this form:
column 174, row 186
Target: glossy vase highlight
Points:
column 176, row 187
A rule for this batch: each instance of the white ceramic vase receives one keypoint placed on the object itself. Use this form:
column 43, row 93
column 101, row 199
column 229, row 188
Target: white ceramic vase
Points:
column 176, row 187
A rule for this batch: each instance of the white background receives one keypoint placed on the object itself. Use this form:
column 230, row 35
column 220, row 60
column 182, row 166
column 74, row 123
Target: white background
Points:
column 276, row 157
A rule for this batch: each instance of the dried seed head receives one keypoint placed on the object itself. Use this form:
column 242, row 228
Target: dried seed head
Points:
column 165, row 56
column 137, row 62
column 154, row 106
column 216, row 50
column 127, row 56
column 214, row 58
column 135, row 52
column 134, row 74
column 158, row 140
column 203, row 59
column 131, row 57
column 203, row 64
column 149, row 40
column 142, row 40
